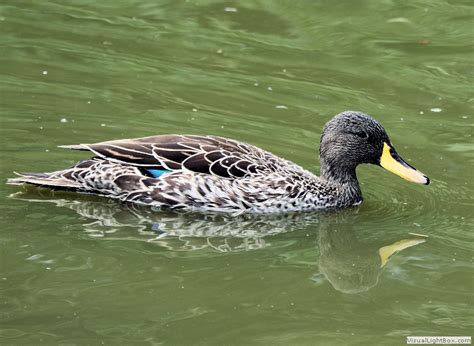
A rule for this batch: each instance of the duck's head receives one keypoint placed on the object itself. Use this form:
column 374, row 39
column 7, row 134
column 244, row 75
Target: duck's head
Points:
column 351, row 138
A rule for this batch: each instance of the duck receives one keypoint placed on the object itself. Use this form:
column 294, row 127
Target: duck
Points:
column 217, row 174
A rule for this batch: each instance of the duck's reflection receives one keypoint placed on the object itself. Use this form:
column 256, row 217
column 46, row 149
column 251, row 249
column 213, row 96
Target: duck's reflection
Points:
column 350, row 264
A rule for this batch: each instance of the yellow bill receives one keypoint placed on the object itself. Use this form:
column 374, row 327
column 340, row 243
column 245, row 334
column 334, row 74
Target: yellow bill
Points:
column 392, row 162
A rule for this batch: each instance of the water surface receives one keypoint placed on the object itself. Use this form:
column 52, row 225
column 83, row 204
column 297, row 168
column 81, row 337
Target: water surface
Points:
column 86, row 270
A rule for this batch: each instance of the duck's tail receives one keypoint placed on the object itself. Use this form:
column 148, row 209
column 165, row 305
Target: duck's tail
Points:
column 96, row 176
column 69, row 178
column 51, row 180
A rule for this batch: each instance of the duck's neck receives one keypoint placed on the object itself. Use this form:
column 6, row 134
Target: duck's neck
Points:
column 344, row 178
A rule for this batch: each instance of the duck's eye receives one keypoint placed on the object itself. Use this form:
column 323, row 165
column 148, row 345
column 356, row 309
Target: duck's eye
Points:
column 361, row 134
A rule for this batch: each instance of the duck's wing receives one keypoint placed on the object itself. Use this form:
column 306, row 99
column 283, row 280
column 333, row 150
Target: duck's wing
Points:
column 202, row 154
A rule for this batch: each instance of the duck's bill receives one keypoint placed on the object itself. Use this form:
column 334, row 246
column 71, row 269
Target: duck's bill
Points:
column 391, row 161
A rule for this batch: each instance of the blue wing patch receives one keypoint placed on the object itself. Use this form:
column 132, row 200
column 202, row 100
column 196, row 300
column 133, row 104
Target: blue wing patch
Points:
column 156, row 173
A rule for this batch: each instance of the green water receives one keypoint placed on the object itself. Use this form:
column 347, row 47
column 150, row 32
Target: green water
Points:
column 79, row 270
